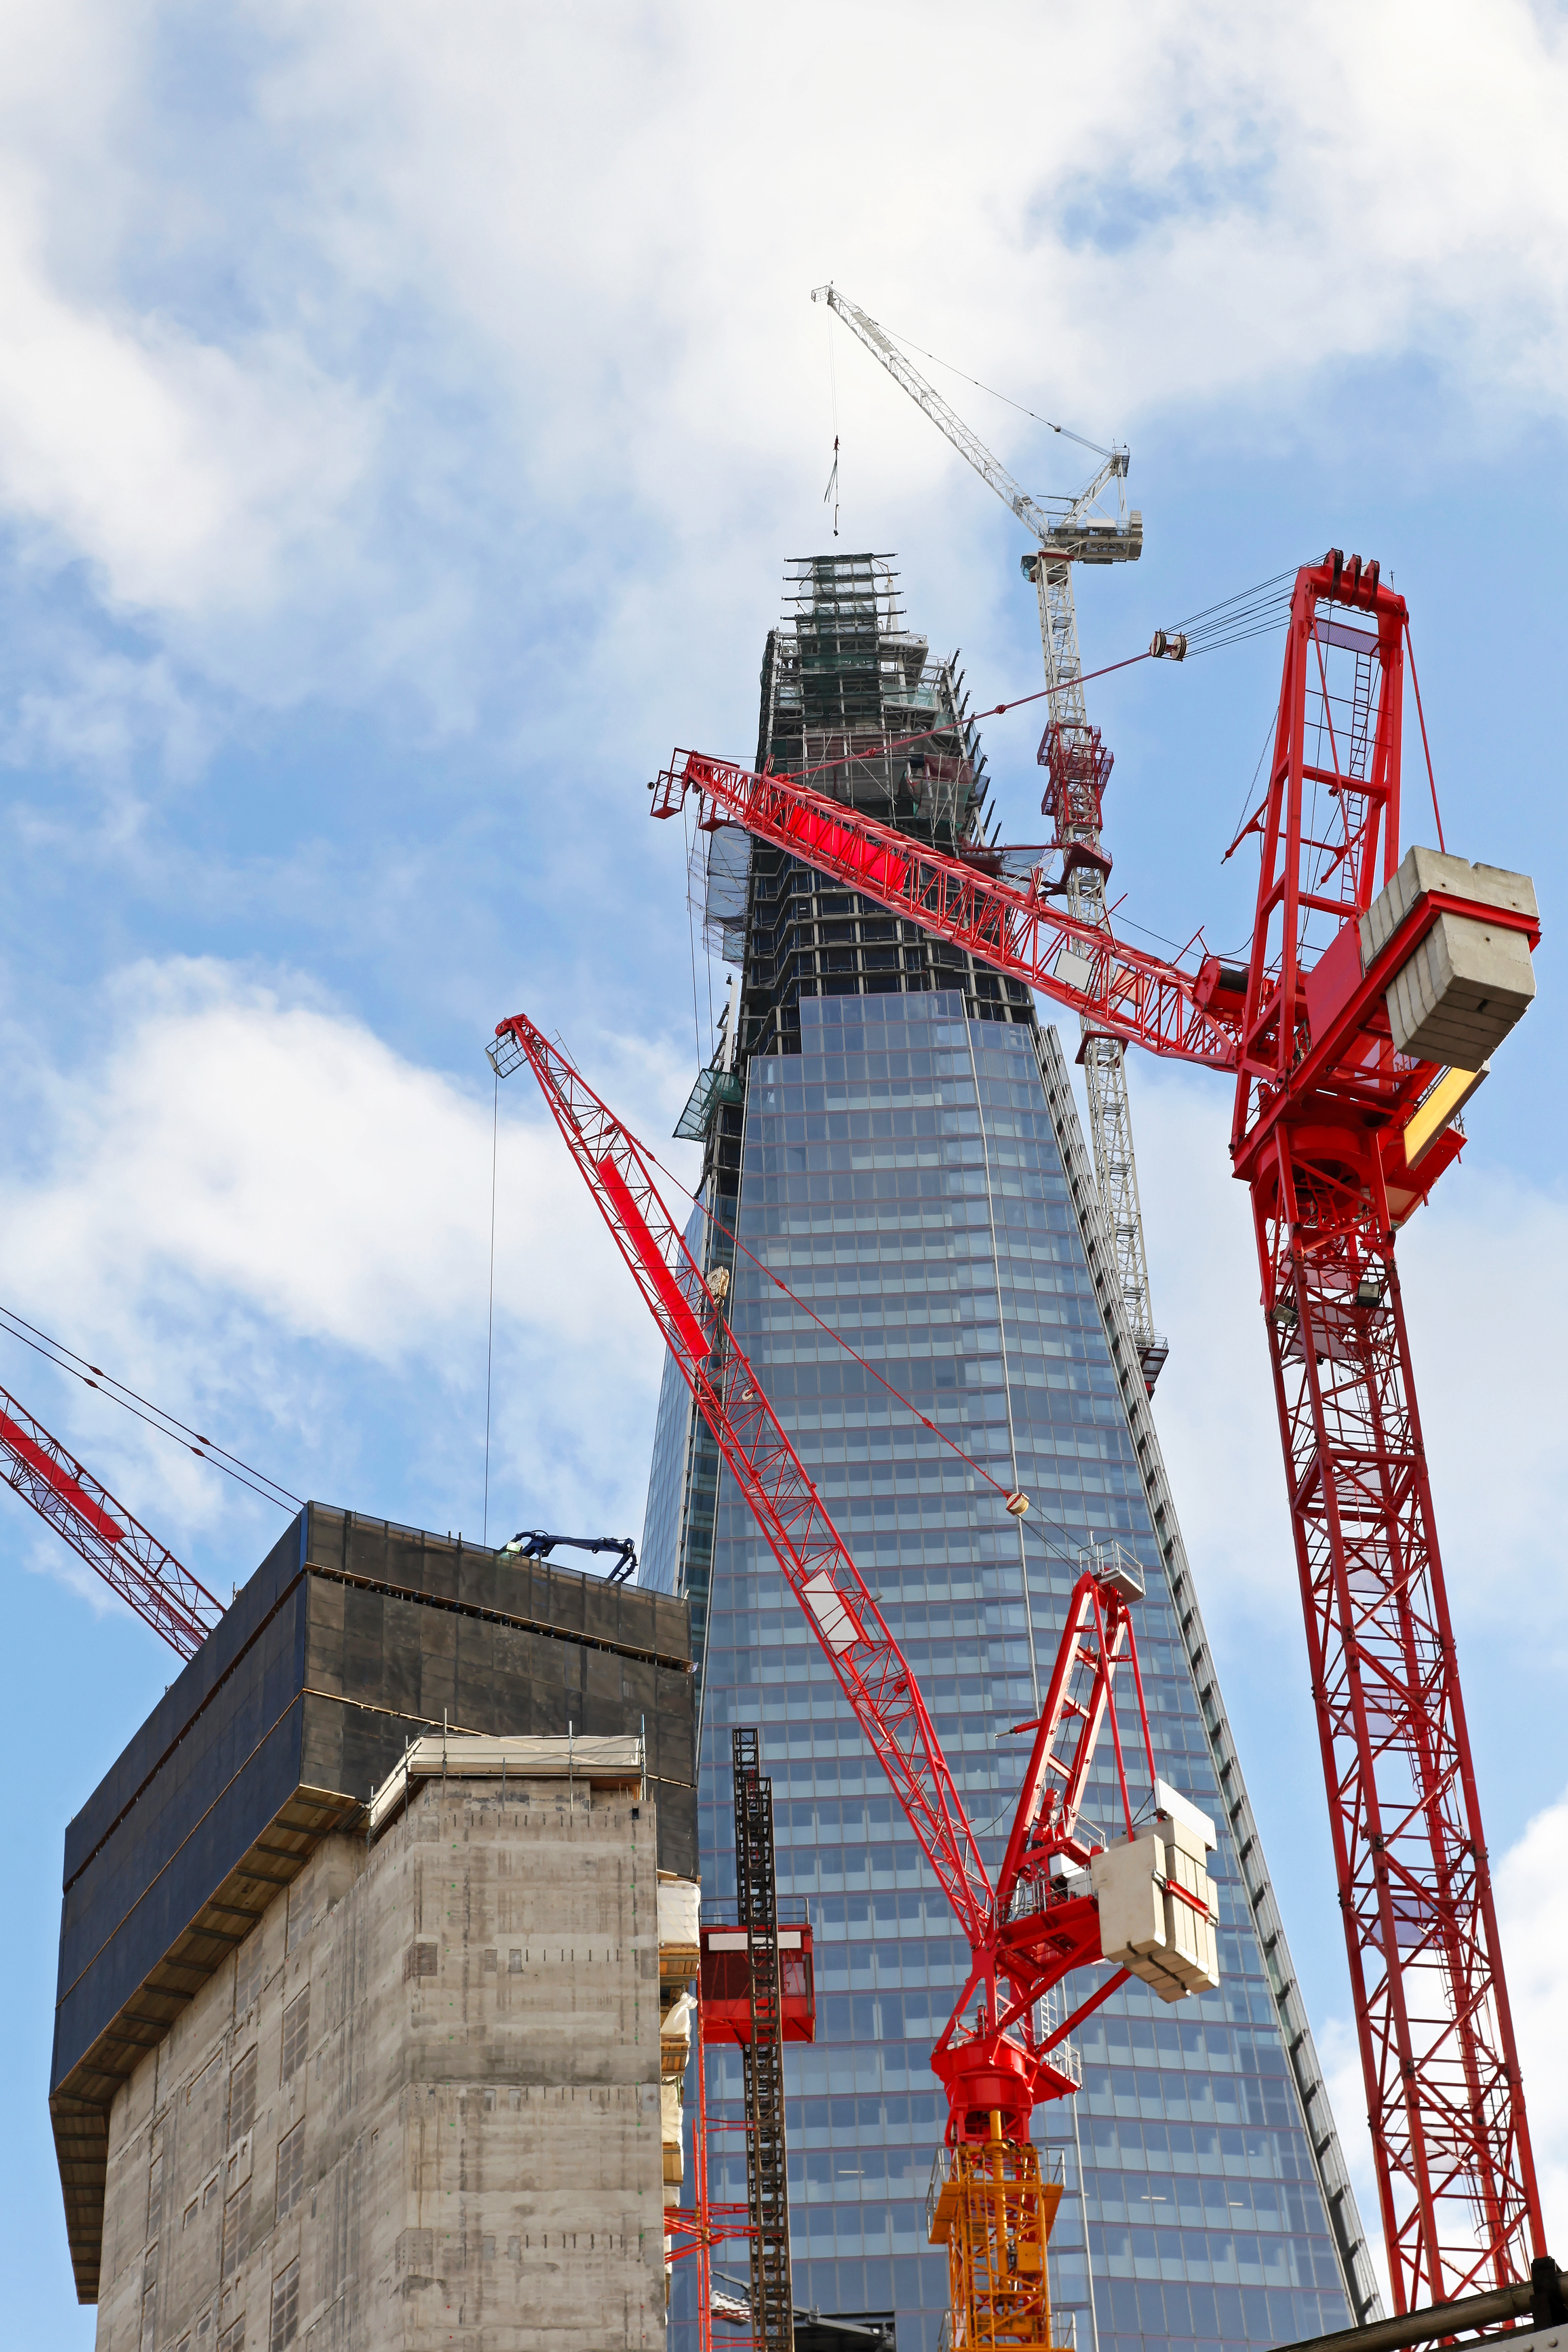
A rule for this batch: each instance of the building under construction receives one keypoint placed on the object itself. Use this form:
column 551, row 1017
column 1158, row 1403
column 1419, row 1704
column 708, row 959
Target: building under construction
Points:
column 373, row 1961
column 889, row 1127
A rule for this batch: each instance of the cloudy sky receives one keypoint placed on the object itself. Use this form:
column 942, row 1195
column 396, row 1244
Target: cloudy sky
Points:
column 404, row 415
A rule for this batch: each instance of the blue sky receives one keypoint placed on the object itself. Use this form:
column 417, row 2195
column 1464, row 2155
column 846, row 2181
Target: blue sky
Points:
column 405, row 417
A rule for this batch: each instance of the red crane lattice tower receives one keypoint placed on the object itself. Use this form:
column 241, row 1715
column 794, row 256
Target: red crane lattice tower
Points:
column 1339, row 1134
column 1456, row 2180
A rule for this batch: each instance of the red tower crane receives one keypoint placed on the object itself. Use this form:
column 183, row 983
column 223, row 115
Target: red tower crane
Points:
column 1374, row 993
column 132, row 1562
column 1152, row 1909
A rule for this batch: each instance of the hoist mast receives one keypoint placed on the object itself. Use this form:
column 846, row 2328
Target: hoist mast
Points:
column 1077, row 768
column 1375, row 990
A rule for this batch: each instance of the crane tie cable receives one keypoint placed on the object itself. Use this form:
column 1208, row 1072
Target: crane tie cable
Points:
column 1251, row 613
column 956, row 725
column 1065, row 431
column 166, row 1425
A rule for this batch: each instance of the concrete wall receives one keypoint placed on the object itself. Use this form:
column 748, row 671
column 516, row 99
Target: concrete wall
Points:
column 477, row 2092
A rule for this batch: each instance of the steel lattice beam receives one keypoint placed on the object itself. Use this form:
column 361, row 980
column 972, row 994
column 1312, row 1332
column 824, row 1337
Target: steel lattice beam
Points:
column 132, row 1562
column 1455, row 2178
column 1124, row 992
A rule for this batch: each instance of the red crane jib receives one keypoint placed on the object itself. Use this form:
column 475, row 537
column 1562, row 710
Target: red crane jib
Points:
column 1132, row 994
column 70, row 1489
column 640, row 1240
column 1323, row 1100
column 1336, row 1039
column 1030, row 1931
column 130, row 1561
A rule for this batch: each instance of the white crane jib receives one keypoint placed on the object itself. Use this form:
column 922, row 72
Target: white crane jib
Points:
column 1075, row 528
column 1067, row 532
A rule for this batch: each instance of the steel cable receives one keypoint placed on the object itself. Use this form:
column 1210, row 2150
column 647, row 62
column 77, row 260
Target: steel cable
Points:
column 167, row 1424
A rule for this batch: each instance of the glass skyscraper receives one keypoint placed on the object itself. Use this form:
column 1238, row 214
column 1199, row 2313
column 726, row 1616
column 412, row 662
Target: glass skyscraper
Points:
column 895, row 1136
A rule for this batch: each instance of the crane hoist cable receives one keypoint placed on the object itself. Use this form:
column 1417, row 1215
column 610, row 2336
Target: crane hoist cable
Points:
column 991, row 391
column 1018, row 1504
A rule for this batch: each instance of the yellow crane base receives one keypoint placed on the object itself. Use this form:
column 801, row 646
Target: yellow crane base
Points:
column 992, row 2212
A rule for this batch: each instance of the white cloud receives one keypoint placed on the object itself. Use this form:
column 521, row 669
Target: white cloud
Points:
column 253, row 1210
column 444, row 295
column 95, row 712
column 1531, row 1882
column 191, row 477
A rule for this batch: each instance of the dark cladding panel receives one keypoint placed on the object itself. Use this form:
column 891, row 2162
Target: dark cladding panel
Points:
column 127, row 1910
column 604, row 1690
column 678, row 1849
column 187, row 1825
column 671, row 1626
column 641, row 1687
column 672, row 1738
column 324, row 1639
column 324, row 1745
column 388, row 1629
column 185, row 1696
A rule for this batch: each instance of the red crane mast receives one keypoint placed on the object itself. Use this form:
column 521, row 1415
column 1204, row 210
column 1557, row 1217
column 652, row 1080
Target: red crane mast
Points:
column 1353, row 1036
column 132, row 1562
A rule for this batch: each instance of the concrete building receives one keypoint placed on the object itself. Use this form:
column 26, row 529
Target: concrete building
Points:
column 374, row 2071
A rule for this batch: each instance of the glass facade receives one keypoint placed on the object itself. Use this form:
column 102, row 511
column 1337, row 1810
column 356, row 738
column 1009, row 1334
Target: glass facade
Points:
column 896, row 1162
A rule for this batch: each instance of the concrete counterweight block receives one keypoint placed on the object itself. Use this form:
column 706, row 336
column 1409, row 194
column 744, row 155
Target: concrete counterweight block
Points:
column 1465, row 985
column 1128, row 1881
column 1194, row 1955
column 1147, row 1924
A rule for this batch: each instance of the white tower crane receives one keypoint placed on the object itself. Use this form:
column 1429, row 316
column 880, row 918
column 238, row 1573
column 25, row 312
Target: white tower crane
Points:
column 1067, row 531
